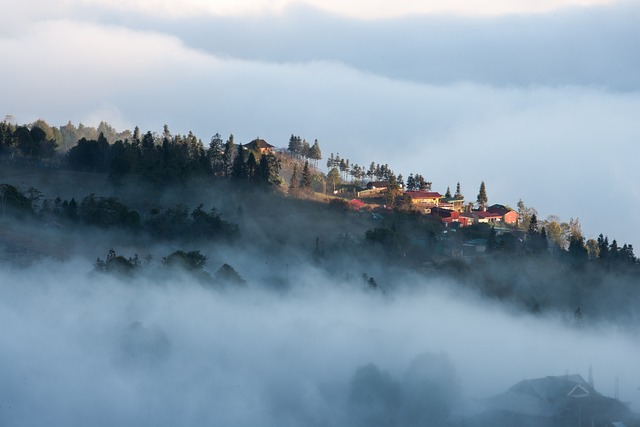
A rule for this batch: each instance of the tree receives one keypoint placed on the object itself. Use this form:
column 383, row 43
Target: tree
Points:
column 305, row 181
column 448, row 193
column 482, row 196
column 334, row 178
column 228, row 156
column 228, row 275
column 253, row 173
column 269, row 169
column 331, row 162
column 458, row 195
column 315, row 154
column 215, row 155
column 293, row 184
column 603, row 247
column 295, row 146
column 191, row 260
column 555, row 232
column 393, row 191
column 411, row 183
column 592, row 248
column 577, row 251
column 239, row 170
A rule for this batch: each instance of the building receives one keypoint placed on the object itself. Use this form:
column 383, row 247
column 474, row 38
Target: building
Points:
column 447, row 216
column 259, row 145
column 424, row 199
column 554, row 401
column 486, row 217
column 509, row 216
column 456, row 204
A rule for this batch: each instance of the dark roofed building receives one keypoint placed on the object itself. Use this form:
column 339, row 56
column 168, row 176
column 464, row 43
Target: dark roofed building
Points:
column 260, row 145
column 379, row 185
column 509, row 216
column 553, row 401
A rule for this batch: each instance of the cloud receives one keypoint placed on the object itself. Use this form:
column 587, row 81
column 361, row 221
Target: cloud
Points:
column 102, row 352
column 554, row 146
column 357, row 9
column 540, row 107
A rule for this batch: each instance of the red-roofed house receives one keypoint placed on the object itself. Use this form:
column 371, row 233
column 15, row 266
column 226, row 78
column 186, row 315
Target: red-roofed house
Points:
column 509, row 216
column 487, row 217
column 466, row 219
column 447, row 216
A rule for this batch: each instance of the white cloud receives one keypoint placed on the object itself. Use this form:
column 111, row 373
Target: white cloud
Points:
column 73, row 351
column 553, row 146
column 359, row 9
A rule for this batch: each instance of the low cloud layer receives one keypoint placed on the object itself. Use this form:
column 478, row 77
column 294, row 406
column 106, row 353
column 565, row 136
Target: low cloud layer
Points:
column 93, row 350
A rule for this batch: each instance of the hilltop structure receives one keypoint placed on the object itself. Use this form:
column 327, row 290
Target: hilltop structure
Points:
column 554, row 401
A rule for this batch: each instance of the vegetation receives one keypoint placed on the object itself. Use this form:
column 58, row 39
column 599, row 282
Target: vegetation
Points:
column 283, row 225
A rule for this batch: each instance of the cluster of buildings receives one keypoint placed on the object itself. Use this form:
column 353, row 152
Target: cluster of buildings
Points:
column 450, row 210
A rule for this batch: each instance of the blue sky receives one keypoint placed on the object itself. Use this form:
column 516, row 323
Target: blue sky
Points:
column 538, row 99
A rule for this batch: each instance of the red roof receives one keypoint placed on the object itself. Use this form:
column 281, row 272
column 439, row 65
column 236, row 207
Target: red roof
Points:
column 424, row 194
column 357, row 203
column 485, row 214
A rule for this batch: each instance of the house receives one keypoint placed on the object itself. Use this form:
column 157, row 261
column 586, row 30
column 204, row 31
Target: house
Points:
column 554, row 401
column 378, row 185
column 466, row 219
column 374, row 188
column 424, row 198
column 509, row 216
column 447, row 216
column 259, row 145
column 457, row 204
column 486, row 217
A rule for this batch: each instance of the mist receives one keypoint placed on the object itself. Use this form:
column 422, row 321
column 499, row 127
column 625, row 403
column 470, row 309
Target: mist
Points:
column 81, row 348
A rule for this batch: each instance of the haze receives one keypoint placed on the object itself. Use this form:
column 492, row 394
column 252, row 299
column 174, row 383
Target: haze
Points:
column 84, row 349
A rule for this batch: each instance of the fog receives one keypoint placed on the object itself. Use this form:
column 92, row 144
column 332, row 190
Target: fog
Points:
column 82, row 348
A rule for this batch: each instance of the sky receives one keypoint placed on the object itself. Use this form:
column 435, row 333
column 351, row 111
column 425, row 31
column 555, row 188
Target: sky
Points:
column 538, row 99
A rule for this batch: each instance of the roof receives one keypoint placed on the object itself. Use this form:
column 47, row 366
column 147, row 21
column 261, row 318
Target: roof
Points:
column 486, row 214
column 378, row 184
column 453, row 200
column 423, row 194
column 444, row 213
column 542, row 397
column 258, row 144
column 357, row 203
column 499, row 209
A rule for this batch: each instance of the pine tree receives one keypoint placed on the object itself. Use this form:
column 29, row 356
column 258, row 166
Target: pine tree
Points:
column 239, row 171
column 293, row 184
column 448, row 193
column 315, row 154
column 458, row 195
column 482, row 196
column 305, row 181
column 228, row 156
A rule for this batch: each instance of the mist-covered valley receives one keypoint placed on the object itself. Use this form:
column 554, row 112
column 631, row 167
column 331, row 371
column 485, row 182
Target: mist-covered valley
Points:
column 82, row 348
column 298, row 319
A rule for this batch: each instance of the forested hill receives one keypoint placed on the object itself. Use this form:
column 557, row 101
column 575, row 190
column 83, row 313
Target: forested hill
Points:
column 216, row 211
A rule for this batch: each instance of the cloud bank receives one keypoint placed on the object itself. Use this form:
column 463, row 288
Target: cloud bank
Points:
column 80, row 350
